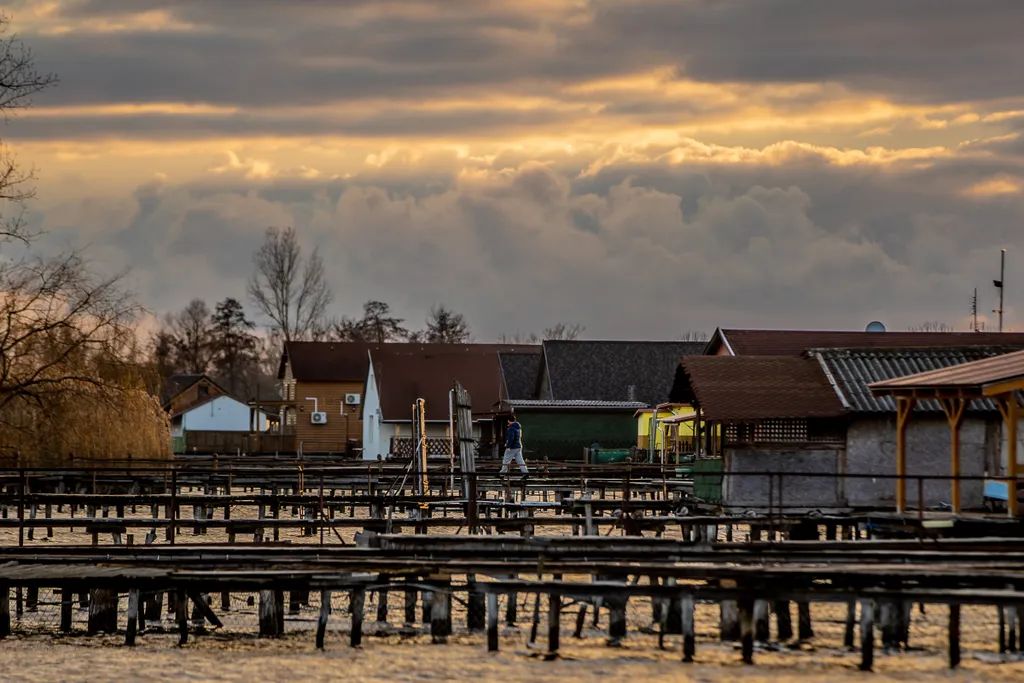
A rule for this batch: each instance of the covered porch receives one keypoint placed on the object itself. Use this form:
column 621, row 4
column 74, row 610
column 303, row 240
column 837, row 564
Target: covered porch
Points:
column 999, row 380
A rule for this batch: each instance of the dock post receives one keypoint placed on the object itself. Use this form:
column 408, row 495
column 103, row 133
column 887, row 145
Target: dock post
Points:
column 67, row 598
column 510, row 610
column 382, row 606
column 581, row 620
column 357, row 600
column 729, row 621
column 410, row 602
column 617, row 620
column 133, row 617
column 181, row 613
column 783, row 620
column 762, row 633
column 102, row 611
column 325, row 613
column 804, row 628
column 689, row 637
column 439, row 615
column 554, row 624
column 474, row 605
column 492, row 622
column 746, row 609
column 867, row 635
column 5, row 611
column 268, row 614
column 851, row 618
column 954, row 636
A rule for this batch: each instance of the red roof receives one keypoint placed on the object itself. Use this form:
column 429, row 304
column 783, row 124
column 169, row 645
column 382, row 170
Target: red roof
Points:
column 350, row 361
column 402, row 377
column 795, row 342
column 746, row 388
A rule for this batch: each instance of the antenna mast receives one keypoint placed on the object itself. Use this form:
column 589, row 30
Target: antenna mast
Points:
column 974, row 311
column 999, row 285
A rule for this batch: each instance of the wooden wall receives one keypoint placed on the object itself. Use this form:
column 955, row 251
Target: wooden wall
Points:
column 191, row 395
column 340, row 428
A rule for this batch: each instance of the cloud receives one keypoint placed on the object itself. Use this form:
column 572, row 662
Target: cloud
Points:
column 637, row 249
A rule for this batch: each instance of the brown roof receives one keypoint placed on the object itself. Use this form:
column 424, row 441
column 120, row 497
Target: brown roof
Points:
column 743, row 388
column 350, row 361
column 795, row 342
column 971, row 377
column 402, row 377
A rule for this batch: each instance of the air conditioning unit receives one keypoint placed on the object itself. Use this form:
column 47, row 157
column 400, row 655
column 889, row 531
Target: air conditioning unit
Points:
column 351, row 399
column 318, row 418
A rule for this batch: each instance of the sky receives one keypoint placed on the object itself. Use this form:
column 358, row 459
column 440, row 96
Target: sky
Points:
column 641, row 167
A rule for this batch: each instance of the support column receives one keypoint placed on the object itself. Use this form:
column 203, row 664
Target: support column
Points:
column 904, row 405
column 954, row 409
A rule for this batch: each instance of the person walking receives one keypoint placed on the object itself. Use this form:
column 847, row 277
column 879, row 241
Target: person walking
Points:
column 514, row 447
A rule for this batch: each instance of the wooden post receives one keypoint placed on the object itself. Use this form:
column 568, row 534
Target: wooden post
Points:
column 475, row 606
column 67, row 598
column 382, row 606
column 268, row 614
column 1011, row 455
column 903, row 407
column 410, row 602
column 510, row 609
column 729, row 621
column 867, row 635
column 554, row 624
column 5, row 611
column 804, row 628
column 954, row 409
column 325, row 613
column 181, row 613
column 783, row 620
column 133, row 617
column 492, row 622
column 439, row 615
column 102, row 611
column 689, row 637
column 357, row 599
column 746, row 608
column 954, row 636
column 851, row 617
column 581, row 620
column 617, row 620
column 761, row 631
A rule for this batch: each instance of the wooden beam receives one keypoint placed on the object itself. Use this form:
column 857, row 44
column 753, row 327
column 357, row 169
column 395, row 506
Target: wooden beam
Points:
column 1005, row 387
column 904, row 405
column 954, row 409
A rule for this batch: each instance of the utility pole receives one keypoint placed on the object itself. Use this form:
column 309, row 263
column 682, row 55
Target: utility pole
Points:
column 1000, row 286
column 974, row 311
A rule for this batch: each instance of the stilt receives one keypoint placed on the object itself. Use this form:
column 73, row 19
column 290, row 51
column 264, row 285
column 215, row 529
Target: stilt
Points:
column 554, row 624
column 954, row 636
column 746, row 609
column 133, row 617
column 867, row 635
column 357, row 600
column 689, row 637
column 325, row 613
column 102, row 611
column 492, row 622
column 783, row 620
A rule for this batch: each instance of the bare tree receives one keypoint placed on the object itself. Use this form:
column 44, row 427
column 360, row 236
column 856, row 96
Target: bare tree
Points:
column 444, row 326
column 564, row 331
column 193, row 337
column 931, row 326
column 377, row 325
column 519, row 338
column 287, row 288
column 694, row 336
column 70, row 375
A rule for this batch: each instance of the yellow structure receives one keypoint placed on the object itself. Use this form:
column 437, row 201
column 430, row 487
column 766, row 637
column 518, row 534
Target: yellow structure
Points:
column 679, row 432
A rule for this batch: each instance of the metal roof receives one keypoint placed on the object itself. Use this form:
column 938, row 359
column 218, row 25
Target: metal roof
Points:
column 973, row 376
column 855, row 370
column 741, row 342
column 540, row 403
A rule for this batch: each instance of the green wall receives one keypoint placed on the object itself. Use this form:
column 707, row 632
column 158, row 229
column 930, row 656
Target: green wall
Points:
column 564, row 435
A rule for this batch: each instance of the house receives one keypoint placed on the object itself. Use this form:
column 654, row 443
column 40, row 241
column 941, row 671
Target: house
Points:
column 672, row 420
column 397, row 377
column 587, row 392
column 330, row 379
column 183, row 390
column 744, row 342
column 221, row 413
column 805, row 431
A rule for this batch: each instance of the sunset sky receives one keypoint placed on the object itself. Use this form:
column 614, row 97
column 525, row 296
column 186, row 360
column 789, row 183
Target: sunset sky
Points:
column 642, row 167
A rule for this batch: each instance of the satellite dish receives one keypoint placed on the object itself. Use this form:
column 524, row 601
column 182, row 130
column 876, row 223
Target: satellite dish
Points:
column 875, row 326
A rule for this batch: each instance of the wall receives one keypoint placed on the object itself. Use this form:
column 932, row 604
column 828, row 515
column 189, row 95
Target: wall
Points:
column 797, row 491
column 871, row 449
column 644, row 425
column 564, row 435
column 222, row 414
column 343, row 422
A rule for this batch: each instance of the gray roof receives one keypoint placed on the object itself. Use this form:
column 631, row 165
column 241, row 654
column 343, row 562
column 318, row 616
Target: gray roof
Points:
column 594, row 405
column 853, row 370
column 519, row 374
column 605, row 370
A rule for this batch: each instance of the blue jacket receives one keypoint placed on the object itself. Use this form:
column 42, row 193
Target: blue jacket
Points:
column 514, row 435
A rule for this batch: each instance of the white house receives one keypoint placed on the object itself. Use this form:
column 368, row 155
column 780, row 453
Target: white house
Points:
column 218, row 414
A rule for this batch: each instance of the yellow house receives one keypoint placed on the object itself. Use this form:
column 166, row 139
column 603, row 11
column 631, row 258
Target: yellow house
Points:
column 679, row 431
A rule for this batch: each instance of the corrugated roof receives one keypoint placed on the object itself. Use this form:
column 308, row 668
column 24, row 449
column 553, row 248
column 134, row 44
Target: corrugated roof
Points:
column 540, row 403
column 795, row 342
column 605, row 370
column 855, row 370
column 974, row 375
column 745, row 388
